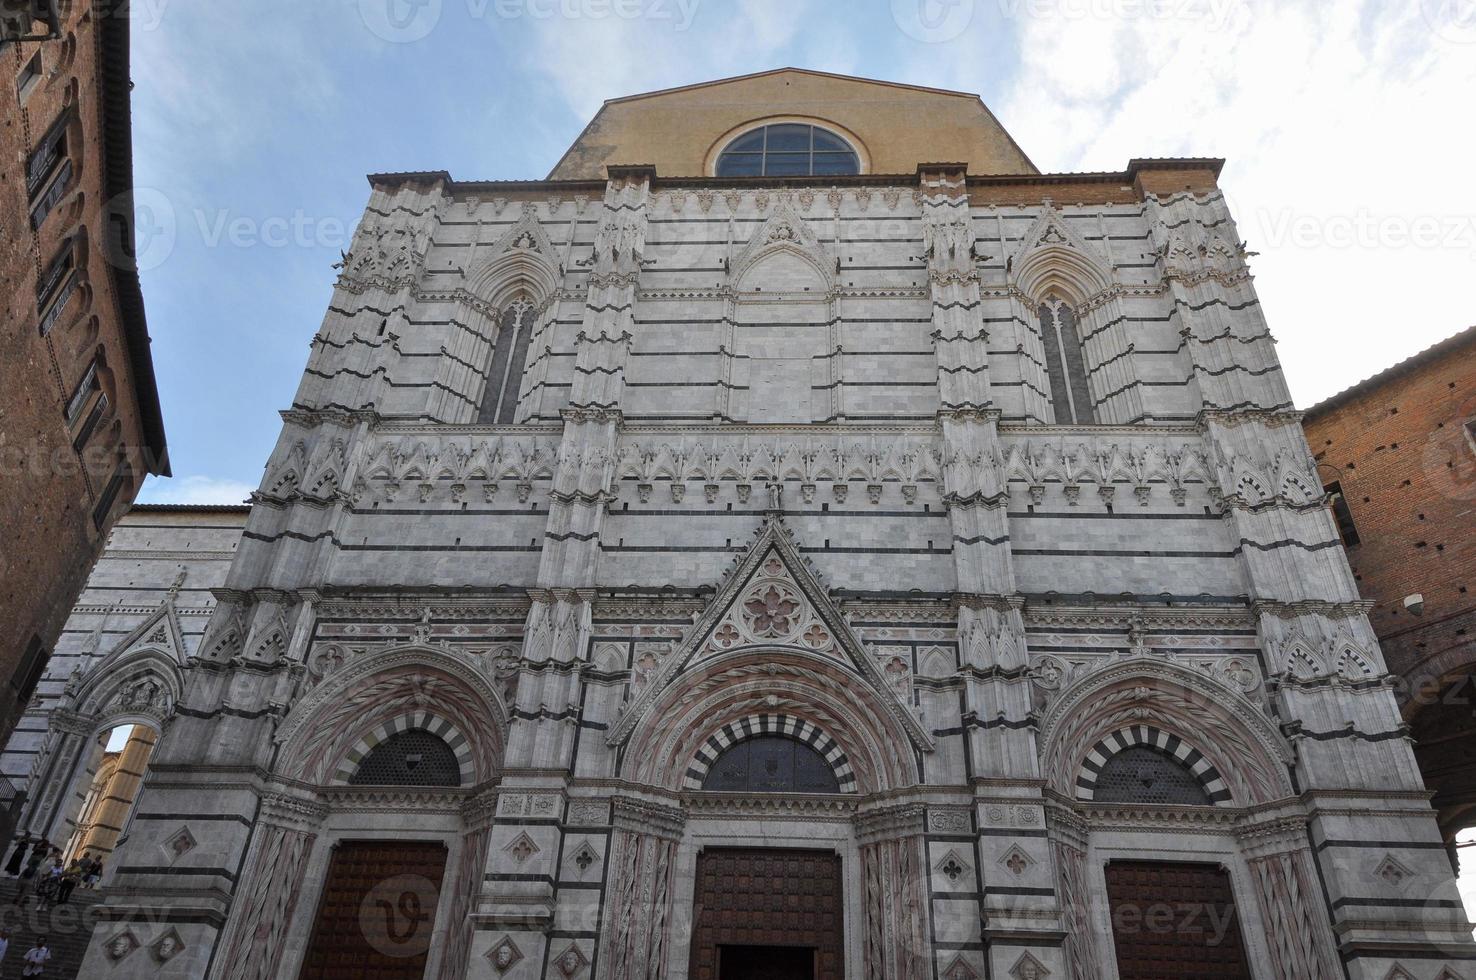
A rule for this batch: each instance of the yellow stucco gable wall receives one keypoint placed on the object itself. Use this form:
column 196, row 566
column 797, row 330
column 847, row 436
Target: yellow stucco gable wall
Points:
column 897, row 126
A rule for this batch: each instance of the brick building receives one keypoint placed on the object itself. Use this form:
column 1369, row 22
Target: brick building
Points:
column 756, row 550
column 1398, row 451
column 80, row 425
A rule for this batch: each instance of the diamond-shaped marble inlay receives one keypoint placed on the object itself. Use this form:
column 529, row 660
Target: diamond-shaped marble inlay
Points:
column 572, row 961
column 182, row 843
column 167, row 946
column 505, row 955
column 121, row 945
column 1016, row 860
column 959, row 969
column 1391, row 872
column 1028, row 967
column 584, row 857
column 522, row 847
column 952, row 867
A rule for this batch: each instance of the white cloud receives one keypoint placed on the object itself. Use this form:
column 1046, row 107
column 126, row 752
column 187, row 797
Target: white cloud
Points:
column 194, row 489
column 1341, row 140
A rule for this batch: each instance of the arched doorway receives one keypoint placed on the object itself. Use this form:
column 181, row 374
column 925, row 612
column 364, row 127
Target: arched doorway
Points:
column 109, row 796
column 91, row 766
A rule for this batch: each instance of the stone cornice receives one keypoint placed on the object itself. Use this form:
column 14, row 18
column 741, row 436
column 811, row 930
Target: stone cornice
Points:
column 648, row 817
column 891, row 821
column 1119, row 616
column 828, row 808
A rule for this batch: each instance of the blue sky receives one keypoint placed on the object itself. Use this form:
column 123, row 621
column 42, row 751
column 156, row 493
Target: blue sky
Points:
column 1346, row 127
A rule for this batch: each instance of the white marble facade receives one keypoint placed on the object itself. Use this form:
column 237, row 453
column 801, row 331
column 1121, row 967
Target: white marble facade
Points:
column 835, row 391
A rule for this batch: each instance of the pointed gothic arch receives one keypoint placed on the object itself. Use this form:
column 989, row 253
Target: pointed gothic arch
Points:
column 506, row 301
column 1097, row 767
column 1233, row 735
column 773, row 559
column 808, row 734
column 350, row 706
column 1067, row 294
column 350, row 768
column 735, row 688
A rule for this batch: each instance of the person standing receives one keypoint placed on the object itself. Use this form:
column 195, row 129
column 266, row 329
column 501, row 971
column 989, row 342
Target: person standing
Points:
column 17, row 856
column 38, row 851
column 68, row 884
column 36, row 958
column 4, row 947
column 96, row 876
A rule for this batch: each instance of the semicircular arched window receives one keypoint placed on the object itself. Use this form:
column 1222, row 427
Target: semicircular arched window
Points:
column 1140, row 774
column 771, row 764
column 787, row 150
column 409, row 758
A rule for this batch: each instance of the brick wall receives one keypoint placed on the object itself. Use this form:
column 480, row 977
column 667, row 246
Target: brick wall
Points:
column 1401, row 449
column 55, row 469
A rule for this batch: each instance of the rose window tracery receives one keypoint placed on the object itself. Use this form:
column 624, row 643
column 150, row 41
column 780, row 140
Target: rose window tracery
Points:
column 771, row 611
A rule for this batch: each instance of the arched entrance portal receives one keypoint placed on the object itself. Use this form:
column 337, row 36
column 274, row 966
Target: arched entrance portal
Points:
column 107, row 803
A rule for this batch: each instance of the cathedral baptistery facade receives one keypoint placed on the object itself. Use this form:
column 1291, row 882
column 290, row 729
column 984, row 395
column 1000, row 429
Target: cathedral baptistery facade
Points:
column 797, row 538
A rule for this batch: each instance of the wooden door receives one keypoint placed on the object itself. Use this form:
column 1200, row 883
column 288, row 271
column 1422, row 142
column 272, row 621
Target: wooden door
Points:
column 377, row 911
column 1171, row 921
column 767, row 912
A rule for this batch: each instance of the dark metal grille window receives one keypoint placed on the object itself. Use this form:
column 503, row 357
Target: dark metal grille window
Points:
column 787, row 150
column 85, row 431
column 1065, row 366
column 104, row 506
column 509, row 357
column 81, row 393
column 1144, row 775
column 410, row 758
column 48, row 155
column 771, row 764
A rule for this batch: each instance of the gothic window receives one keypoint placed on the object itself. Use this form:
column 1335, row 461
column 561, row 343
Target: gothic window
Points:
column 771, row 764
column 787, row 150
column 509, row 357
column 1065, row 365
column 409, row 758
column 1140, row 774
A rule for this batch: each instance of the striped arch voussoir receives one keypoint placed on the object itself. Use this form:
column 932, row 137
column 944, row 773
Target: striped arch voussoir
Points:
column 796, row 728
column 436, row 725
column 1146, row 735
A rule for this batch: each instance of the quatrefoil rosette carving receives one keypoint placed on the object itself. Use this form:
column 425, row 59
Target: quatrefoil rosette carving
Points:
column 771, row 609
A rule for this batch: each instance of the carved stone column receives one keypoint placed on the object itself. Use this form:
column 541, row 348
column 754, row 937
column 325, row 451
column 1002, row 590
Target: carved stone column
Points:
column 1293, row 912
column 637, row 921
column 894, row 877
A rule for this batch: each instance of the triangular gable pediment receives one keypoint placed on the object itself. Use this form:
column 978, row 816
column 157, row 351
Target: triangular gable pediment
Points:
column 773, row 598
column 526, row 234
column 1052, row 249
column 785, row 231
column 159, row 632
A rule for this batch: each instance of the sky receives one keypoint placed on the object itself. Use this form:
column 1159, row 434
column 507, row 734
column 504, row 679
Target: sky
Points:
column 1346, row 128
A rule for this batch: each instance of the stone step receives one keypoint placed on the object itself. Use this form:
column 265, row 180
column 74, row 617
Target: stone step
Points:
column 67, row 928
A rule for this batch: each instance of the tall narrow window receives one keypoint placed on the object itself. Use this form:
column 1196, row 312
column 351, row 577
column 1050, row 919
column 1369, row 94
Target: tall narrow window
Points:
column 1065, row 365
column 509, row 357
column 1342, row 514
